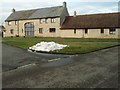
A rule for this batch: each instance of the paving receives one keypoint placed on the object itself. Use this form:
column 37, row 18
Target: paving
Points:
column 92, row 70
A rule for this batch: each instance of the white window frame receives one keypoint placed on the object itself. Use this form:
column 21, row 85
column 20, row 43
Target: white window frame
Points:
column 40, row 21
column 53, row 20
column 112, row 31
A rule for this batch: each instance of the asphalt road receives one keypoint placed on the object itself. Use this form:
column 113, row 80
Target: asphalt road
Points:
column 0, row 66
column 92, row 70
column 0, row 57
column 13, row 57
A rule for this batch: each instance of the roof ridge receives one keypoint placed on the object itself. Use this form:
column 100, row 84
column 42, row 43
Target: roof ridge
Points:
column 94, row 21
column 97, row 14
column 36, row 13
column 38, row 8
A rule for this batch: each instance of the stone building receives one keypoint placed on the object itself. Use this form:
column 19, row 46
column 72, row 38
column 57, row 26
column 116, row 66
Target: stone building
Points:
column 2, row 30
column 92, row 26
column 56, row 22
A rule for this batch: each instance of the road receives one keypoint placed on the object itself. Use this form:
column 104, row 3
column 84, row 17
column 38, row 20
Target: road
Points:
column 14, row 57
column 92, row 70
column 0, row 66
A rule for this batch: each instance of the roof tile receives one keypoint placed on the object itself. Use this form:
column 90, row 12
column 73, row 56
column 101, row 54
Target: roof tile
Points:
column 36, row 13
column 92, row 21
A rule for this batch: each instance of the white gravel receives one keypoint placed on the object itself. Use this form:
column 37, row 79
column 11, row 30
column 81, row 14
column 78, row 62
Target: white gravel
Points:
column 47, row 46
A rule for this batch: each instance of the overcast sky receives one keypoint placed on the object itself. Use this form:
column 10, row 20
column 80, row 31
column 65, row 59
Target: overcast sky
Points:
column 86, row 7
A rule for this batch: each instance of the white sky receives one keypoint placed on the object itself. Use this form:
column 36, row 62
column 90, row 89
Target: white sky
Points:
column 81, row 6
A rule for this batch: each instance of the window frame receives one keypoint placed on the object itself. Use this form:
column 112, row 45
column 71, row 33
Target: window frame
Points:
column 46, row 20
column 51, row 30
column 11, row 31
column 22, row 30
column 75, row 31
column 40, row 29
column 112, row 31
column 53, row 20
column 40, row 21
column 9, row 23
column 86, row 31
column 102, row 30
column 15, row 22
column 29, row 29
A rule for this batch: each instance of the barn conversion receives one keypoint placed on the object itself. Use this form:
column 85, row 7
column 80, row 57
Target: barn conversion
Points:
column 56, row 22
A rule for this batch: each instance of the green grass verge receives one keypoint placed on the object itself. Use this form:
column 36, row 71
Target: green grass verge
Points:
column 57, row 39
column 83, row 47
column 73, row 48
column 22, row 44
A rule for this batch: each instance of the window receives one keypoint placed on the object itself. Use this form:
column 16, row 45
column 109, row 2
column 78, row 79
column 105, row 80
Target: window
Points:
column 102, row 31
column 11, row 31
column 40, row 20
column 86, row 31
column 40, row 30
column 9, row 23
column 112, row 31
column 46, row 20
column 22, row 30
column 52, row 30
column 15, row 22
column 29, row 29
column 74, row 31
column 52, row 20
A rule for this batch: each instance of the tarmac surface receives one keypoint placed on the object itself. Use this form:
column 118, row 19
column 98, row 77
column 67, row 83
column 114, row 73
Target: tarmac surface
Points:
column 14, row 57
column 24, row 69
column 0, row 66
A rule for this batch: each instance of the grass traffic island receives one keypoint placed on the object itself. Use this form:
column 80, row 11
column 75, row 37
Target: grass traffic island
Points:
column 74, row 48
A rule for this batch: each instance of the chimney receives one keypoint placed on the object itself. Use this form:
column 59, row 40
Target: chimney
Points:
column 75, row 14
column 64, row 4
column 13, row 10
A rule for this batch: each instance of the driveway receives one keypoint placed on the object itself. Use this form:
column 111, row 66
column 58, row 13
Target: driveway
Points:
column 92, row 70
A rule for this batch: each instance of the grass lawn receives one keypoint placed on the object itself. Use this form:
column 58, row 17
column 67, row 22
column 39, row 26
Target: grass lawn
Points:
column 73, row 48
column 57, row 39
column 83, row 47
column 0, row 37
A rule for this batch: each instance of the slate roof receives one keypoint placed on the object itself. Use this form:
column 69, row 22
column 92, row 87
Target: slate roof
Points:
column 92, row 21
column 36, row 13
